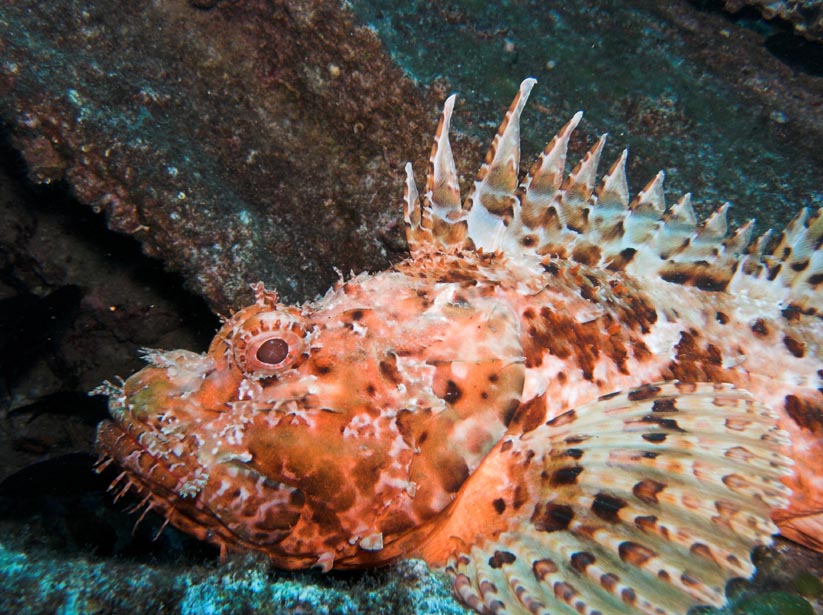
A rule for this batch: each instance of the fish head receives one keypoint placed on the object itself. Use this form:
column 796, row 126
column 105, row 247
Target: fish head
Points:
column 323, row 434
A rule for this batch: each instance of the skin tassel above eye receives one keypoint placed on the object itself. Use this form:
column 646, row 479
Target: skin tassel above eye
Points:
column 569, row 399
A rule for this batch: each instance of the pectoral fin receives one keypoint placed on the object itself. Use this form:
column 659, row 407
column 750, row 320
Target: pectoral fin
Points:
column 646, row 501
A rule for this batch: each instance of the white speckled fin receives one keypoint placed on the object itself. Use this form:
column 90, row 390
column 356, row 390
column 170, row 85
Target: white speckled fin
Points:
column 552, row 213
column 492, row 198
column 646, row 501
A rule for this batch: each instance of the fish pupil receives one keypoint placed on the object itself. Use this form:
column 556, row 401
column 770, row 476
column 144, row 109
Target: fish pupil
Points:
column 273, row 351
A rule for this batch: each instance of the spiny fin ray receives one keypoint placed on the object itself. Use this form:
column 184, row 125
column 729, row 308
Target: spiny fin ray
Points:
column 552, row 213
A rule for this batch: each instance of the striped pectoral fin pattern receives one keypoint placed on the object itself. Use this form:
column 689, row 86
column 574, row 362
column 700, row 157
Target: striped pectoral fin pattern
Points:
column 646, row 501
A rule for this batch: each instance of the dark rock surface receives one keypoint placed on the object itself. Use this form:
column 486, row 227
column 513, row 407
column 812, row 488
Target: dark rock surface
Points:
column 251, row 141
column 806, row 16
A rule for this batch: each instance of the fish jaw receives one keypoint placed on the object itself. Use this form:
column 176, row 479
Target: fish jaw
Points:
column 185, row 459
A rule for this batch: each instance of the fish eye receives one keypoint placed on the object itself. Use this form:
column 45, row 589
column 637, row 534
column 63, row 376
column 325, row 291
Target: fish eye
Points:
column 273, row 351
column 268, row 343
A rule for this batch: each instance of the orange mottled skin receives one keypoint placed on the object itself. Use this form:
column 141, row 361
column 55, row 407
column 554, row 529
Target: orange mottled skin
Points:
column 486, row 404
column 408, row 379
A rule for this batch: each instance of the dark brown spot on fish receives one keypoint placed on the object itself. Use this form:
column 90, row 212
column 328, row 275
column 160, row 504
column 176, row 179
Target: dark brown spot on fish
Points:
column 506, row 446
column 607, row 507
column 609, row 581
column 649, row 455
column 521, row 496
column 815, row 280
column 721, row 317
column 370, row 390
column 493, row 377
column 700, row 274
column 806, row 413
column 664, row 423
column 499, row 505
column 452, row 470
column 634, row 554
column 576, row 439
column 528, row 241
column 529, row 415
column 644, row 392
column 574, row 453
column 582, row 344
column 542, row 568
column 654, row 437
column 792, row 312
column 501, row 558
column 628, row 595
column 759, row 328
column 356, row 314
column 640, row 351
column 551, row 268
column 703, row 551
column 646, row 523
column 582, row 560
column 800, row 265
column 796, row 347
column 664, row 405
column 563, row 591
column 689, row 580
column 550, row 517
column 566, row 476
column 663, row 575
column 509, row 410
column 586, row 254
column 693, row 362
column 453, row 392
column 772, row 271
column 563, row 419
column 609, row 396
column 619, row 262
column 647, row 490
column 388, row 369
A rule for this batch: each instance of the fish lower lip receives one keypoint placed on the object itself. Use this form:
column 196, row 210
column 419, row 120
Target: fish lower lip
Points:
column 147, row 471
column 180, row 490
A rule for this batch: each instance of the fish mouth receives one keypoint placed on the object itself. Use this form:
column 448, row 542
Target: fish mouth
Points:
column 171, row 467
column 151, row 478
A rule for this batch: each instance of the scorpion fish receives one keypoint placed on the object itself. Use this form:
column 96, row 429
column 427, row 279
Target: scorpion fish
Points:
column 569, row 400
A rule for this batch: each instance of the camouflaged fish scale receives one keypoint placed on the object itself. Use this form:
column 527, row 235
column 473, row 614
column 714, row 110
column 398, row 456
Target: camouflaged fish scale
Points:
column 571, row 401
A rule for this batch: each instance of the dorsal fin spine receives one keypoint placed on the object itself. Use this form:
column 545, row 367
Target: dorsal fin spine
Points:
column 492, row 197
column 442, row 187
column 550, row 213
column 614, row 189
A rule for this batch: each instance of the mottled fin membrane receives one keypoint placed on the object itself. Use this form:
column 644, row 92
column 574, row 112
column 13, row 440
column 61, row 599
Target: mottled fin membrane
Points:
column 647, row 501
column 550, row 212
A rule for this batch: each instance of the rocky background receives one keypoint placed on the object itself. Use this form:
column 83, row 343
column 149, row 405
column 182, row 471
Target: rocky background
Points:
column 157, row 158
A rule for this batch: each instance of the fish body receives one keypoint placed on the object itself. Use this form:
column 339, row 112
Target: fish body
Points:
column 568, row 400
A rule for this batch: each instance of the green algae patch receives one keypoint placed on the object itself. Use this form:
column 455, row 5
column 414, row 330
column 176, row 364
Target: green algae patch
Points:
column 773, row 603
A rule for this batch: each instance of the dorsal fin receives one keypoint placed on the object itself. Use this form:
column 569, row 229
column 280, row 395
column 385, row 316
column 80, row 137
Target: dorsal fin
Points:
column 416, row 218
column 442, row 188
column 554, row 214
column 614, row 189
column 492, row 199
